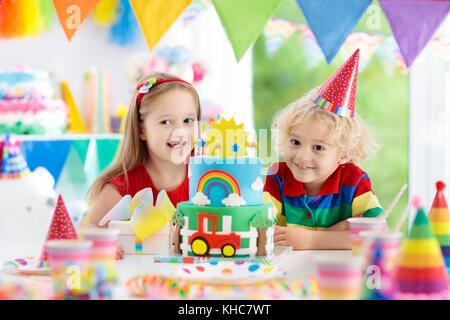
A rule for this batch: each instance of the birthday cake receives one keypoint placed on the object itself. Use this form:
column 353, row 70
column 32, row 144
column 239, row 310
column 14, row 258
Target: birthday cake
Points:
column 225, row 214
column 27, row 104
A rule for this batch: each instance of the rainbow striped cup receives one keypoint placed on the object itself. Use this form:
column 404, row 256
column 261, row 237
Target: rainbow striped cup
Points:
column 338, row 277
column 103, row 259
column 388, row 241
column 358, row 225
column 69, row 268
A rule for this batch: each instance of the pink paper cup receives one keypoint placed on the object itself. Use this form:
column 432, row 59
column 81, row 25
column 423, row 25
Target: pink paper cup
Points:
column 339, row 278
column 104, row 244
column 363, row 224
column 387, row 241
column 69, row 268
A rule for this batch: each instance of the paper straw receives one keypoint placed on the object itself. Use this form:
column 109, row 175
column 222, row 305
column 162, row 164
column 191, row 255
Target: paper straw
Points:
column 403, row 216
column 396, row 199
column 99, row 98
column 107, row 102
column 86, row 101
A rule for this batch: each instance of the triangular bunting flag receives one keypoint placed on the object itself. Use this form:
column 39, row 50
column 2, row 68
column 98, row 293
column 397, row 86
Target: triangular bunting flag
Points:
column 37, row 153
column 413, row 23
column 244, row 20
column 421, row 268
column 367, row 44
column 440, row 222
column 76, row 122
column 276, row 32
column 331, row 21
column 156, row 17
column 72, row 13
column 61, row 227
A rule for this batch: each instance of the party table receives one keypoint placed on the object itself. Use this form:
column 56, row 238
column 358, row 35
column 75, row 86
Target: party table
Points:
column 296, row 264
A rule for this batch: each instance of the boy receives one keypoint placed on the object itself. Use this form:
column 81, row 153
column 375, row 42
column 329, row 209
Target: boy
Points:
column 320, row 185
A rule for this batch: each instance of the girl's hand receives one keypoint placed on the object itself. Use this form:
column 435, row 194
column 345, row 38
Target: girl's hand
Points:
column 295, row 237
column 120, row 252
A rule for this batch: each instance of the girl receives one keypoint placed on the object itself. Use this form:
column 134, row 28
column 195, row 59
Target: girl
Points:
column 162, row 121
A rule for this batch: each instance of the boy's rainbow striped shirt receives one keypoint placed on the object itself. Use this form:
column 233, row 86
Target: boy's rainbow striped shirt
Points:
column 346, row 193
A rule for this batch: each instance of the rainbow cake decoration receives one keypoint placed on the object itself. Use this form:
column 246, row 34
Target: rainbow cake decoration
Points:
column 225, row 214
column 27, row 103
column 439, row 217
column 421, row 269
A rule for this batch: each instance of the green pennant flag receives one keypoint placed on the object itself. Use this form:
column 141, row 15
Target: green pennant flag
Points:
column 91, row 165
column 106, row 150
column 81, row 147
column 244, row 20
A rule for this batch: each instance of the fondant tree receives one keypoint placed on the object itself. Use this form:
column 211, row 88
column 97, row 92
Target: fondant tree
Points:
column 261, row 222
column 178, row 220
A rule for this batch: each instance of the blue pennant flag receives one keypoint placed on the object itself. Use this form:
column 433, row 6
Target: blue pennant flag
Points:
column 331, row 21
column 50, row 154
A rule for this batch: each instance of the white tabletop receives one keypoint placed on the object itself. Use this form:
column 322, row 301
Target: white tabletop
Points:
column 296, row 264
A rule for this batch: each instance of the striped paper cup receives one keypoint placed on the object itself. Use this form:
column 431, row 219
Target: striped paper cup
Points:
column 339, row 278
column 104, row 244
column 103, row 259
column 388, row 241
column 69, row 267
column 363, row 224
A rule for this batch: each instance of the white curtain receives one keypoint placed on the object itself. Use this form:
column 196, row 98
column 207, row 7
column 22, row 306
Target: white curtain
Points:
column 429, row 126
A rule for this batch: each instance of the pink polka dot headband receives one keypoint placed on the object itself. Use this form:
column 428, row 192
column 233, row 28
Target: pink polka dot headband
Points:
column 145, row 86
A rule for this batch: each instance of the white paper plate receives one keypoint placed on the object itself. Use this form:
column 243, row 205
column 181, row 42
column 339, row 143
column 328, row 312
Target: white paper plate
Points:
column 27, row 266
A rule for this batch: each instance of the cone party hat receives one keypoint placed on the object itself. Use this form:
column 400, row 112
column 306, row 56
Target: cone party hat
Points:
column 378, row 285
column 12, row 165
column 338, row 93
column 421, row 268
column 439, row 217
column 61, row 227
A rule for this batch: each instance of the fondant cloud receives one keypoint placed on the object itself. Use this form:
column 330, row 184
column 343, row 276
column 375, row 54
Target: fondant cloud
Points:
column 234, row 200
column 258, row 184
column 201, row 199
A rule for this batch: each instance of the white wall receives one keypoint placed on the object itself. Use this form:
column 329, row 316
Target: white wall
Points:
column 227, row 82
column 429, row 137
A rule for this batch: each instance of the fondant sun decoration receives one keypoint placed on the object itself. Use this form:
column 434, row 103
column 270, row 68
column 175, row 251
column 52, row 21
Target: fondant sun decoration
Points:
column 226, row 139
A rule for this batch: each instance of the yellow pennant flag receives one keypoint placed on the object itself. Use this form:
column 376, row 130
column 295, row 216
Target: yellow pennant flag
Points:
column 76, row 122
column 156, row 17
column 72, row 13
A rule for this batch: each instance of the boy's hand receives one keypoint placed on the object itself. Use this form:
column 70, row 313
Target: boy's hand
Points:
column 340, row 226
column 343, row 225
column 120, row 252
column 290, row 237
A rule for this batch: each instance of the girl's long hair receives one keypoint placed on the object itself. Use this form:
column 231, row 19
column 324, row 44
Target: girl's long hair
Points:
column 133, row 151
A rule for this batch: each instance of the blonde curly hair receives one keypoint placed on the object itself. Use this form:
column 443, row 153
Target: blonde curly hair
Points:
column 351, row 135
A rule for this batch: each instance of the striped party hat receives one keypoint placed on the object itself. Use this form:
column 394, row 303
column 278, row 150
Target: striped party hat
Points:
column 421, row 267
column 440, row 222
column 13, row 165
column 338, row 93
